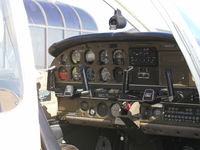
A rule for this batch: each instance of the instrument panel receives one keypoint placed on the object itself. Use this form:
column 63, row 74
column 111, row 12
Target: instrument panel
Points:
column 107, row 65
column 119, row 80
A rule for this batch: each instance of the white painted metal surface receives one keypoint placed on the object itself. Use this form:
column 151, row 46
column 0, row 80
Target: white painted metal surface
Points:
column 19, row 128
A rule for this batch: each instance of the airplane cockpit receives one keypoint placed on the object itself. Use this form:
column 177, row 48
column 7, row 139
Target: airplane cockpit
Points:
column 125, row 91
column 137, row 89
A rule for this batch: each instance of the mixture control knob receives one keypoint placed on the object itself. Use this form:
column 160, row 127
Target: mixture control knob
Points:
column 127, row 106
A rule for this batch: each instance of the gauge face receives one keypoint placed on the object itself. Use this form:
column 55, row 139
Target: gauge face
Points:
column 102, row 109
column 63, row 59
column 103, row 57
column 84, row 105
column 90, row 74
column 76, row 75
column 90, row 57
column 118, row 57
column 115, row 110
column 105, row 74
column 118, row 74
column 76, row 56
column 62, row 73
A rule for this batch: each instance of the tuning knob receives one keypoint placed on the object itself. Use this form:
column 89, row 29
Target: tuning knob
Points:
column 180, row 95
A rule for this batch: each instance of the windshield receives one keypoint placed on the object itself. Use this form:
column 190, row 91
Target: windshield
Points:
column 10, row 75
column 190, row 16
column 132, row 10
column 183, row 21
column 151, row 19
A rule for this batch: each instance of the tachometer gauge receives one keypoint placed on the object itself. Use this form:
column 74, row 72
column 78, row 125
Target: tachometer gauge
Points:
column 76, row 56
column 103, row 57
column 105, row 74
column 115, row 110
column 90, row 74
column 102, row 109
column 76, row 75
column 90, row 57
column 118, row 57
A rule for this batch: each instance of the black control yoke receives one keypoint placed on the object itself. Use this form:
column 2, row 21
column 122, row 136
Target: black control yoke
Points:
column 125, row 86
column 170, row 87
column 86, row 89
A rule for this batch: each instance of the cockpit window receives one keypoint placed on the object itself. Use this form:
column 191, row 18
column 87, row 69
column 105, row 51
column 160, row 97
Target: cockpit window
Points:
column 191, row 19
column 10, row 73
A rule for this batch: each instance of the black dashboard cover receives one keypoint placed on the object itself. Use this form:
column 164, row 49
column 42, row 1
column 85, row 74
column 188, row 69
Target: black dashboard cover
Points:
column 58, row 47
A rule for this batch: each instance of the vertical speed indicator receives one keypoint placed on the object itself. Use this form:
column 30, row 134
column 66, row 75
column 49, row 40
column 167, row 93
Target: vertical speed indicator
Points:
column 118, row 57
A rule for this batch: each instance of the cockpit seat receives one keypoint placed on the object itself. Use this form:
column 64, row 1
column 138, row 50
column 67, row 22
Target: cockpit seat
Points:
column 48, row 139
column 8, row 100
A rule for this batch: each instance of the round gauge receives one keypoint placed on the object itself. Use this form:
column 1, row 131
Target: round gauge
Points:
column 118, row 74
column 103, row 57
column 63, row 59
column 90, row 57
column 102, row 109
column 105, row 74
column 76, row 75
column 90, row 74
column 76, row 56
column 62, row 73
column 84, row 105
column 118, row 57
column 115, row 110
